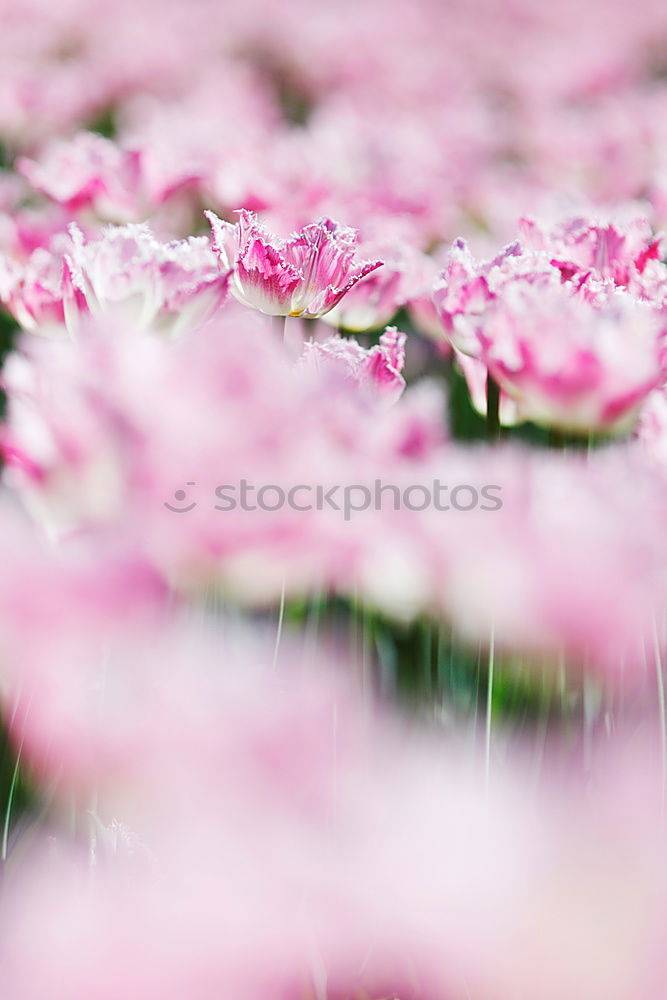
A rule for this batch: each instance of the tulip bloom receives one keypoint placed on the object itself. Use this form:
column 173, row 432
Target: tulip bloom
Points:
column 569, row 349
column 306, row 275
column 169, row 287
column 89, row 172
column 377, row 371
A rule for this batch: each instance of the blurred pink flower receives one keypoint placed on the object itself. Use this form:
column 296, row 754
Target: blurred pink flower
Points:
column 576, row 537
column 376, row 371
column 621, row 249
column 375, row 300
column 172, row 286
column 92, row 440
column 104, row 433
column 125, row 271
column 569, row 350
column 89, row 171
column 237, row 803
column 40, row 292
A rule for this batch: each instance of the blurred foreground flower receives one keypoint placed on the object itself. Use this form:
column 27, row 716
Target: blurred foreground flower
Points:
column 118, row 431
column 245, row 832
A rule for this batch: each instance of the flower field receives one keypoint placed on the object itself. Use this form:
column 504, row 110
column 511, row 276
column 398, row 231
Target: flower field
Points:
column 333, row 500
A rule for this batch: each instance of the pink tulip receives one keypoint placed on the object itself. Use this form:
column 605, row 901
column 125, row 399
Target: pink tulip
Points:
column 89, row 171
column 305, row 275
column 376, row 371
column 373, row 302
column 569, row 350
column 126, row 271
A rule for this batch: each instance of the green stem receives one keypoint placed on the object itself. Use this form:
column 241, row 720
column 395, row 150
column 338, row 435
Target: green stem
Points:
column 427, row 658
column 489, row 708
column 492, row 409
column 557, row 439
column 10, row 802
column 281, row 619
